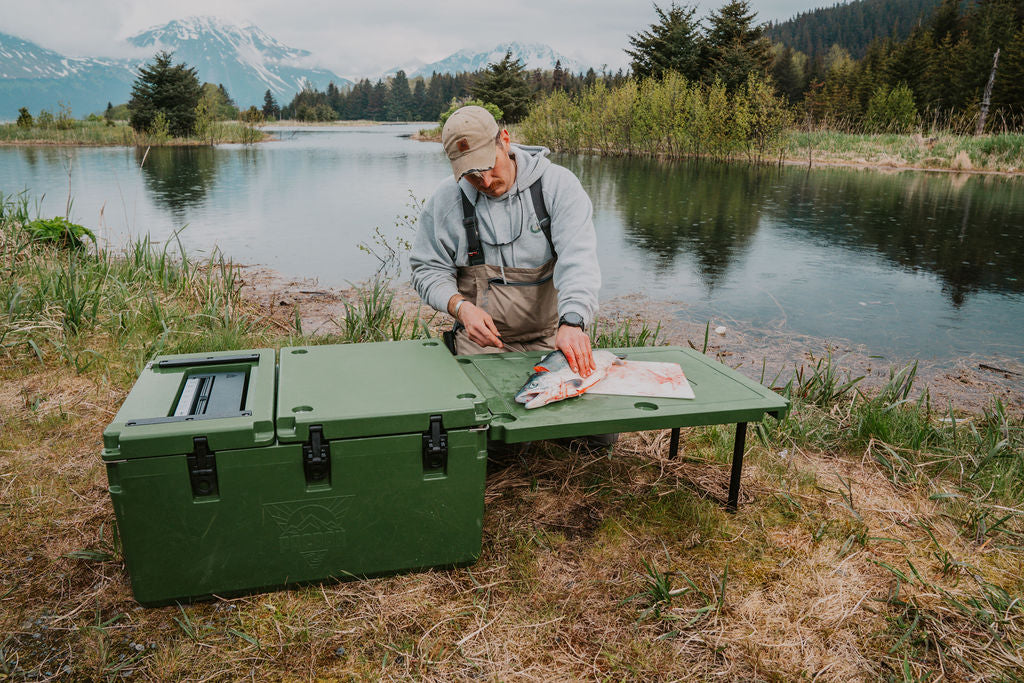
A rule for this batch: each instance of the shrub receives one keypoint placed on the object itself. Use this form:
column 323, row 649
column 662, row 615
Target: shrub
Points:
column 65, row 121
column 891, row 111
column 45, row 119
column 251, row 116
column 458, row 104
column 24, row 118
column 59, row 230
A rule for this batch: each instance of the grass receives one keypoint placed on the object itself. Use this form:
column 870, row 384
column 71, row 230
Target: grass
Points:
column 1003, row 152
column 98, row 133
column 879, row 536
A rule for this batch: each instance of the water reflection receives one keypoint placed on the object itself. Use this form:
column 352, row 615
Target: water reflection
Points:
column 964, row 229
column 708, row 210
column 178, row 178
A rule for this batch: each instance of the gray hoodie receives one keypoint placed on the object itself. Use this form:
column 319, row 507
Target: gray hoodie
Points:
column 510, row 234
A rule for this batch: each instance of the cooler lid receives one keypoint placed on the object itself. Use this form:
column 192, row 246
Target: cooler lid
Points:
column 374, row 389
column 225, row 396
column 722, row 396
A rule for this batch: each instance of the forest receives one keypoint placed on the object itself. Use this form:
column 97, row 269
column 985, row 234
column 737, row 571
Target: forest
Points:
column 867, row 66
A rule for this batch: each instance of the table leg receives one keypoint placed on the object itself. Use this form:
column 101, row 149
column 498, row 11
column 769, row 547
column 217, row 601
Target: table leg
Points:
column 673, row 444
column 737, row 467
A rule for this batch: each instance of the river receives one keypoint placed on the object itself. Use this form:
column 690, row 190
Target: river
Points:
column 902, row 265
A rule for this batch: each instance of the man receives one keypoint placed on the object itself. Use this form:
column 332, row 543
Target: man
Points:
column 507, row 246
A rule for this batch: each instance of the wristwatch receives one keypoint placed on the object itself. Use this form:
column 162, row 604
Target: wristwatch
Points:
column 572, row 319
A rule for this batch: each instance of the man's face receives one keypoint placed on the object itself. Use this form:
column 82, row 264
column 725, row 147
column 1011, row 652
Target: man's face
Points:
column 498, row 180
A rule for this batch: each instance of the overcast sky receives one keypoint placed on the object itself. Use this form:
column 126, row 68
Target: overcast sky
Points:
column 367, row 37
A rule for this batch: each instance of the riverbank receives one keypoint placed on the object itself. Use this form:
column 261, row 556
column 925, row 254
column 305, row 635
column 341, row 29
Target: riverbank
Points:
column 876, row 537
column 99, row 134
column 1001, row 154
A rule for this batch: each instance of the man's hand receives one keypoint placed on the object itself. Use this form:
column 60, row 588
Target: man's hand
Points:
column 575, row 344
column 479, row 325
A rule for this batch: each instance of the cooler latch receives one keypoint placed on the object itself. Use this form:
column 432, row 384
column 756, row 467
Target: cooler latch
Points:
column 202, row 468
column 316, row 457
column 435, row 446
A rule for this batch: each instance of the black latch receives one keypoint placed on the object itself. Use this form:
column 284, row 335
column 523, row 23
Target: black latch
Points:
column 202, row 468
column 435, row 446
column 316, row 457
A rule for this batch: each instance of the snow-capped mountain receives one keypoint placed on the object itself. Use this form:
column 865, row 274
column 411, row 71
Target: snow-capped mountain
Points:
column 244, row 58
column 32, row 76
column 533, row 55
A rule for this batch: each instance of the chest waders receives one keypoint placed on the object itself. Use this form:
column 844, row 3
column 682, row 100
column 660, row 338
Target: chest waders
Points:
column 523, row 302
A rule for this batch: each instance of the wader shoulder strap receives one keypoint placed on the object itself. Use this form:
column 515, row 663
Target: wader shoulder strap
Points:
column 473, row 251
column 537, row 194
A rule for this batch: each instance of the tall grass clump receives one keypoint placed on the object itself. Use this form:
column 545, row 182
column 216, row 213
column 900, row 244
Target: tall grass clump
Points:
column 667, row 116
column 973, row 462
column 88, row 306
column 97, row 132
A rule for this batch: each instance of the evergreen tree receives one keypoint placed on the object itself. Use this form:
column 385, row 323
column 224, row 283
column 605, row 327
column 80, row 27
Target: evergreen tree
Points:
column 165, row 88
column 504, row 85
column 419, row 98
column 558, row 76
column 376, row 101
column 1008, row 91
column 434, row 101
column 108, row 114
column 671, row 44
column 334, row 99
column 398, row 102
column 24, row 118
column 945, row 21
column 735, row 46
column 785, row 74
column 270, row 108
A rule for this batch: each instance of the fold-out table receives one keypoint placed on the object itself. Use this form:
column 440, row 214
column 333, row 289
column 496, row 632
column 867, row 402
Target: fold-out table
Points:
column 723, row 396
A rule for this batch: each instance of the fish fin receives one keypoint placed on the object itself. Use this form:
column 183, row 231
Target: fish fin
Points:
column 575, row 382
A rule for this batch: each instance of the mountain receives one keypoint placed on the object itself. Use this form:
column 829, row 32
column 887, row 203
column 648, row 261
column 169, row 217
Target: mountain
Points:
column 533, row 55
column 851, row 26
column 34, row 77
column 243, row 58
column 246, row 60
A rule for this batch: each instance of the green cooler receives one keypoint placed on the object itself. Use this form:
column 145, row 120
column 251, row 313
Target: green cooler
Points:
column 230, row 473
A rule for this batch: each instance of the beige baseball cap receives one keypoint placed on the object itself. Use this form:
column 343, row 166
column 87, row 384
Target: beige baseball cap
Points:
column 468, row 140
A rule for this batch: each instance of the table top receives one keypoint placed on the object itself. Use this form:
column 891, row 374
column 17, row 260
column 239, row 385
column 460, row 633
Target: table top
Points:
column 723, row 396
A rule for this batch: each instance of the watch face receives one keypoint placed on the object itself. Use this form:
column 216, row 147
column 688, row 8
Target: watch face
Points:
column 574, row 319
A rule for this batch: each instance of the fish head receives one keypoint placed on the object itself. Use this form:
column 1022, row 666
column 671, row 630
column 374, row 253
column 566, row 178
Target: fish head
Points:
column 534, row 385
column 549, row 392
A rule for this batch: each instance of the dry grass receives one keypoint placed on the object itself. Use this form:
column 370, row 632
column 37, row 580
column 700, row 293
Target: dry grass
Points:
column 812, row 578
column 876, row 539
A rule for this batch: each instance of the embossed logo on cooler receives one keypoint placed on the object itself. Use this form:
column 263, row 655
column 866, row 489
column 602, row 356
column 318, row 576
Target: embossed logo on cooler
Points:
column 309, row 528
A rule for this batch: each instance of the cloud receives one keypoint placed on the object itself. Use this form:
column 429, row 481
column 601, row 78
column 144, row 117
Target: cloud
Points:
column 359, row 39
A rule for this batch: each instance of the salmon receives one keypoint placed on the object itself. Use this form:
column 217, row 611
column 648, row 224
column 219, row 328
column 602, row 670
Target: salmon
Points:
column 553, row 379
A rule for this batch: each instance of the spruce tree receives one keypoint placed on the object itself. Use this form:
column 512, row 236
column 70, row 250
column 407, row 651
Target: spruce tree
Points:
column 398, row 102
column 270, row 108
column 558, row 77
column 376, row 101
column 434, row 101
column 735, row 45
column 419, row 98
column 671, row 44
column 167, row 88
column 503, row 84
column 1008, row 91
